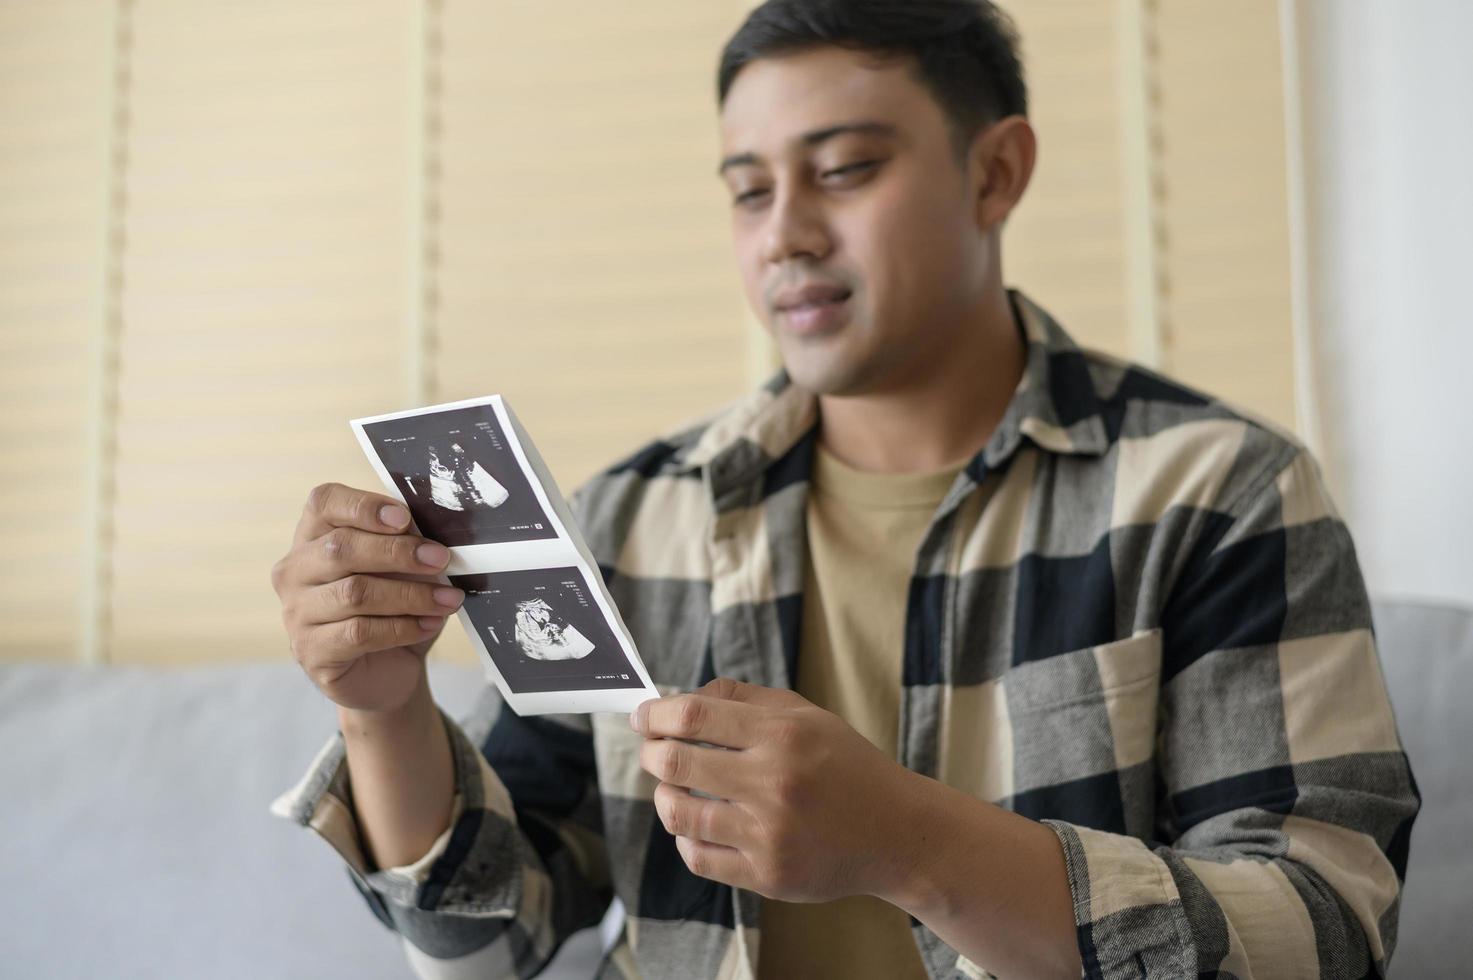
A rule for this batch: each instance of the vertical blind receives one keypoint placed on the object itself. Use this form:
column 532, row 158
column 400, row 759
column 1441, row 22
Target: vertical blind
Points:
column 1064, row 245
column 53, row 161
column 263, row 299
column 341, row 208
column 1223, row 164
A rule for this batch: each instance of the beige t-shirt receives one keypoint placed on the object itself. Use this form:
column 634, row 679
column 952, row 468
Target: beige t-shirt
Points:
column 863, row 532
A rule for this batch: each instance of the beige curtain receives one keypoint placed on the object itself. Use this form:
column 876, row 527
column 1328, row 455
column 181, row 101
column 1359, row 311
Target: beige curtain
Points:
column 228, row 228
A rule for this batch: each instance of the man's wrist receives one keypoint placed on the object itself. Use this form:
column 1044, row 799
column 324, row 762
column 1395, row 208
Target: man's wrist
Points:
column 409, row 715
column 990, row 883
column 915, row 847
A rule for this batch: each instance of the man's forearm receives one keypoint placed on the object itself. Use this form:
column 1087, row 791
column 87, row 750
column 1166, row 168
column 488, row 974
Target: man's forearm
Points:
column 991, row 884
column 403, row 777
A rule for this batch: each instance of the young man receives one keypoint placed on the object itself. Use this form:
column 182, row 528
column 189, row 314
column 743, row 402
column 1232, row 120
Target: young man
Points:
column 992, row 655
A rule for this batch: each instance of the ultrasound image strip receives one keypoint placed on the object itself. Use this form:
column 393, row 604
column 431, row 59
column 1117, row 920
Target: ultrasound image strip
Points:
column 550, row 637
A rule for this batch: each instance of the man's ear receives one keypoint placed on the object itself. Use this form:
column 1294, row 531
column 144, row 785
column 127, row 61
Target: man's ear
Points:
column 1001, row 159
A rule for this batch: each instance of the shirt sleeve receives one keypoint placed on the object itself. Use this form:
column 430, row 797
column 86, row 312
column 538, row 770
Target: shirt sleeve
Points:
column 522, row 865
column 1285, row 801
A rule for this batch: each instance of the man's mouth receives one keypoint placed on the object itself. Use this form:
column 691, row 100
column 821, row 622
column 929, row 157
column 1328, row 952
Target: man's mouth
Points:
column 815, row 314
column 814, row 304
column 810, row 296
column 812, row 307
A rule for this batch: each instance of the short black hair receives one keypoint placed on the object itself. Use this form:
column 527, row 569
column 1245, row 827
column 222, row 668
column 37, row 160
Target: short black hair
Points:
column 965, row 51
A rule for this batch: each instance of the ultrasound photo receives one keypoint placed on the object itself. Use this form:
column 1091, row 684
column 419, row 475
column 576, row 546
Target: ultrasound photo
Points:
column 544, row 631
column 460, row 477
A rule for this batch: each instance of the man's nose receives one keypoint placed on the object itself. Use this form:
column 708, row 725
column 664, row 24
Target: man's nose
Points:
column 795, row 227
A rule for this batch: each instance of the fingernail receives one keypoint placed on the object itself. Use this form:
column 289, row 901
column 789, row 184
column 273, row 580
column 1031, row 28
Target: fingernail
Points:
column 430, row 622
column 634, row 719
column 432, row 554
column 393, row 515
column 449, row 597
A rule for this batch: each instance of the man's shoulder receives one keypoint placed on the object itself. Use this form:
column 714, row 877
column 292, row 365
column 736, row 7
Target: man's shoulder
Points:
column 1149, row 426
column 1177, row 444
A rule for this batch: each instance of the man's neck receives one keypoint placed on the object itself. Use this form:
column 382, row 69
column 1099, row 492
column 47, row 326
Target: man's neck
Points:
column 942, row 417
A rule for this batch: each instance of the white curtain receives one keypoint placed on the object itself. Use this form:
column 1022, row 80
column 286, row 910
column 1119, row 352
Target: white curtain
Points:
column 1388, row 189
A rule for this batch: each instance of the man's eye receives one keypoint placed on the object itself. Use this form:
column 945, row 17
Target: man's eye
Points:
column 748, row 197
column 850, row 169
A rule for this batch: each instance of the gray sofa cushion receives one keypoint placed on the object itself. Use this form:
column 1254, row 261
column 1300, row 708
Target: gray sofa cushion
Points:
column 137, row 839
column 1427, row 653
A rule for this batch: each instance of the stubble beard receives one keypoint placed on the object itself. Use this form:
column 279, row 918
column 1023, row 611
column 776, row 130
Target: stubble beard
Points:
column 830, row 366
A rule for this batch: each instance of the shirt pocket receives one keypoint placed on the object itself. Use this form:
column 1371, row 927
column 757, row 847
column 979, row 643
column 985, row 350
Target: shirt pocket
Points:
column 1085, row 714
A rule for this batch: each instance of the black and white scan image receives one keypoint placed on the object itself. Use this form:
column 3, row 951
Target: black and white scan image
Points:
column 544, row 631
column 460, row 477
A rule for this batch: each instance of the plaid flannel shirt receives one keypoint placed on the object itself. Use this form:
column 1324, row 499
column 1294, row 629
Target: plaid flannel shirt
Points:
column 1135, row 617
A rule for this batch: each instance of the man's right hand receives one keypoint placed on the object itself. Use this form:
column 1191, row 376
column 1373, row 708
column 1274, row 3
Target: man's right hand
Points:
column 360, row 598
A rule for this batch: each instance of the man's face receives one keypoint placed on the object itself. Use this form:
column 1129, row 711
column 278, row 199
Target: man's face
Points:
column 854, row 221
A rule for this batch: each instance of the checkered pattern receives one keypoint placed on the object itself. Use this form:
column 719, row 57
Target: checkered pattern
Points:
column 1135, row 617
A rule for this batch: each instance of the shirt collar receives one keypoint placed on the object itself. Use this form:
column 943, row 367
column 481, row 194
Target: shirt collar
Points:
column 1055, row 406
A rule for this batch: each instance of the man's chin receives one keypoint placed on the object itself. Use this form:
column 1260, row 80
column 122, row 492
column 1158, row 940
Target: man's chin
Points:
column 826, row 376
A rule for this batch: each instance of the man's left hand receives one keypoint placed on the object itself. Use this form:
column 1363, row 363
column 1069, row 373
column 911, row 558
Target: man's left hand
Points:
column 807, row 810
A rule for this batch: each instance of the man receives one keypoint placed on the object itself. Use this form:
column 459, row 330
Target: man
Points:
column 986, row 654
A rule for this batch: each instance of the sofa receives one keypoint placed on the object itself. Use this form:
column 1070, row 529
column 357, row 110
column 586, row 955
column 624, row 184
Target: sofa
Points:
column 137, row 840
